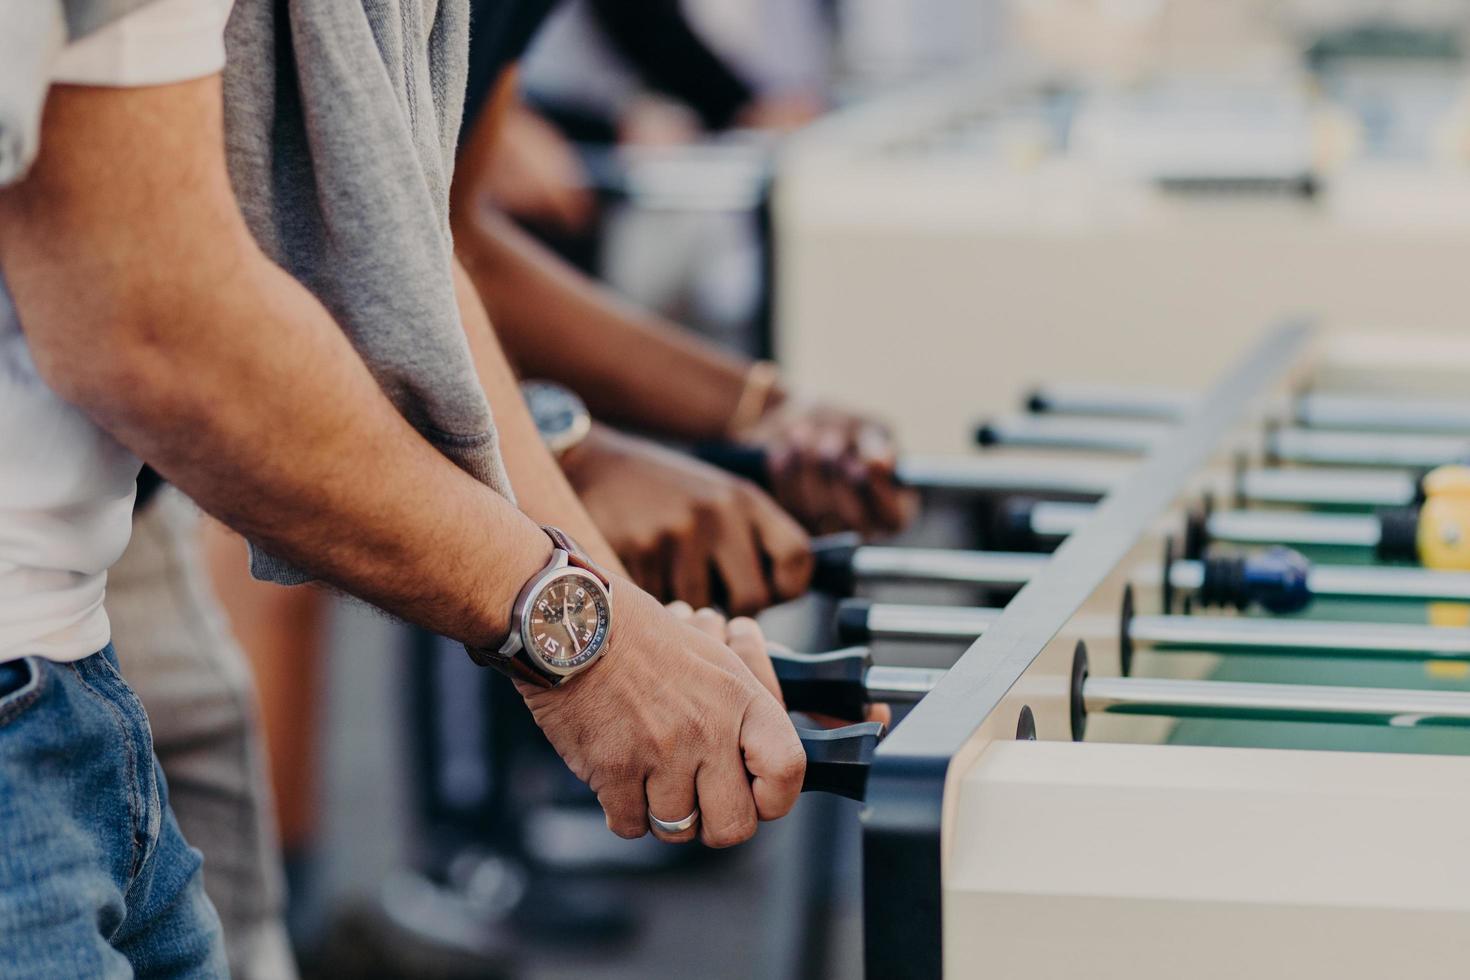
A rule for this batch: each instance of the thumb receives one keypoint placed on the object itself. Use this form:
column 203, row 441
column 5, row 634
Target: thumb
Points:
column 773, row 757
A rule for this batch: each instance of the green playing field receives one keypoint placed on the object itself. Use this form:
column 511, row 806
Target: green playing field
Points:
column 1341, row 671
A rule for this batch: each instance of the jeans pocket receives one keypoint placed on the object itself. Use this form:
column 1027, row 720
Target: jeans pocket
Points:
column 20, row 686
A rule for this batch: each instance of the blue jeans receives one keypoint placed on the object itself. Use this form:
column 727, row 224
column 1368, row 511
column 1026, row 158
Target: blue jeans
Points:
column 95, row 878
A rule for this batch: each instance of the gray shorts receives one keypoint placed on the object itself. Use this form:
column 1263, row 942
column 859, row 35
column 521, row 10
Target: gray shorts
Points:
column 177, row 653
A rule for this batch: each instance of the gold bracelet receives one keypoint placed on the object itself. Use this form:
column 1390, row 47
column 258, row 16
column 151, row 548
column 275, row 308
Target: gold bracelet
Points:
column 760, row 381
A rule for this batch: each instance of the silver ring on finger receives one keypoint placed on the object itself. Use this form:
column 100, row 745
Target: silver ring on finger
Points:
column 674, row 826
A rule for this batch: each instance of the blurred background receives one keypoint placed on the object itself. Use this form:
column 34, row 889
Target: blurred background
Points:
column 918, row 207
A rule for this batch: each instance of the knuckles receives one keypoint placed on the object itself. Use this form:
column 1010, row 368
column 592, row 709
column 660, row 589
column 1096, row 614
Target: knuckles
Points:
column 730, row 834
column 790, row 768
column 627, row 827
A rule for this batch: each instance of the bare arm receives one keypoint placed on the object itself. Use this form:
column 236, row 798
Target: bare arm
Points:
column 830, row 467
column 147, row 303
column 542, row 490
column 555, row 322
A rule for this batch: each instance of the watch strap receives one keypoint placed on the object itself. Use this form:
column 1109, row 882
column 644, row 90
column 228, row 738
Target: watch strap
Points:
column 575, row 555
column 520, row 668
column 516, row 666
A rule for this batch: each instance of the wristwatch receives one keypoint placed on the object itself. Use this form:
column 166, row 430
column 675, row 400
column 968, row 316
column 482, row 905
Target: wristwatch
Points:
column 561, row 417
column 559, row 626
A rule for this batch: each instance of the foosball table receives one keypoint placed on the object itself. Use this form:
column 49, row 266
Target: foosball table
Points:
column 1194, row 702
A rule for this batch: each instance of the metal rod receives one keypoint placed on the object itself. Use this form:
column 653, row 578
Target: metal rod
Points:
column 1284, row 527
column 1059, row 519
column 1316, row 410
column 1370, row 414
column 1280, row 702
column 1206, row 634
column 1090, row 434
column 1013, row 474
column 900, row 685
column 1225, row 634
column 1305, row 486
column 1368, row 582
column 1162, row 404
column 1051, row 519
column 984, row 568
column 917, row 622
column 1400, row 708
column 1003, row 569
column 1317, row 487
column 1298, row 445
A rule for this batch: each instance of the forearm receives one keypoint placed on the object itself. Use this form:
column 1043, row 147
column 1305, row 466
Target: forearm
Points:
column 541, row 490
column 555, row 323
column 242, row 391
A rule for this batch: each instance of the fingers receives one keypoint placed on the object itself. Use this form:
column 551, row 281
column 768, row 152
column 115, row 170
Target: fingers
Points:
column 843, row 495
column 787, row 548
column 672, row 724
column 571, row 207
column 671, row 798
column 773, row 757
column 626, row 808
column 836, row 471
column 728, row 809
column 709, row 622
column 646, row 565
column 744, row 636
column 689, row 574
column 735, row 556
column 890, row 506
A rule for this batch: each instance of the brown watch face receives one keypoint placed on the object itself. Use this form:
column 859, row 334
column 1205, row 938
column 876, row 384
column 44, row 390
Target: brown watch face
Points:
column 568, row 621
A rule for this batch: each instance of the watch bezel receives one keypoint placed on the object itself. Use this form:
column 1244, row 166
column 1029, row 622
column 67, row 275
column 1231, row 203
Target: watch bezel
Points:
column 595, row 648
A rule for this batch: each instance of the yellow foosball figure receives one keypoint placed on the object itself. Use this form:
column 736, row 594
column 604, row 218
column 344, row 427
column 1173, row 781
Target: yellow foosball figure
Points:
column 1444, row 534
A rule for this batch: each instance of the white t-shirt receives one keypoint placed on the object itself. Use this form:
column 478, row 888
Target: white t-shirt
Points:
column 66, row 487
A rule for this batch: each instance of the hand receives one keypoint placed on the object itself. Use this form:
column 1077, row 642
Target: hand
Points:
column 746, row 638
column 654, row 121
column 670, row 720
column 782, row 113
column 742, row 634
column 833, row 470
column 686, row 530
column 535, row 174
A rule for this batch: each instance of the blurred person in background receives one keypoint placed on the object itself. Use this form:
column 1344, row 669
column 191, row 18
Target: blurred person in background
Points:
column 635, row 84
column 283, row 331
column 659, row 73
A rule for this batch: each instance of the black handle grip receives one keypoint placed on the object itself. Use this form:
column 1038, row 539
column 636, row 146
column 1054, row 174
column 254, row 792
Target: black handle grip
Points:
column 1011, row 528
column 1398, row 534
column 852, row 621
column 838, row 761
column 833, row 572
column 747, row 462
column 824, row 683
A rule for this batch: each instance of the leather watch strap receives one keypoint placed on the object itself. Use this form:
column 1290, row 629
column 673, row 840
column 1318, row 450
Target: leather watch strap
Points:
column 519, row 668
column 575, row 555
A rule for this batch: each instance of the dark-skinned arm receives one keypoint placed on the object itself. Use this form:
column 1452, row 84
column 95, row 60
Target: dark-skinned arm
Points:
column 830, row 468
